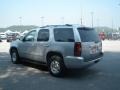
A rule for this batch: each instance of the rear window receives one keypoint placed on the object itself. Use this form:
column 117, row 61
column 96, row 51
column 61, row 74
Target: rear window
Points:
column 88, row 35
column 64, row 35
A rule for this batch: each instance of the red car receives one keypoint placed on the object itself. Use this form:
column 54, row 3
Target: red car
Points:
column 102, row 35
column 11, row 37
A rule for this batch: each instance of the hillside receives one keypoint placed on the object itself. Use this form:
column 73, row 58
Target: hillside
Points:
column 18, row 28
column 29, row 27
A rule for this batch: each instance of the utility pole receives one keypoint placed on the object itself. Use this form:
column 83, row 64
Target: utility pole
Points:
column 20, row 21
column 119, row 26
column 81, row 19
column 112, row 25
column 98, row 22
column 62, row 20
column 42, row 21
column 92, row 13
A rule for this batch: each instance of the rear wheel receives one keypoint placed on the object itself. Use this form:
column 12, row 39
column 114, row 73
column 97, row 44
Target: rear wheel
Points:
column 14, row 56
column 7, row 40
column 56, row 65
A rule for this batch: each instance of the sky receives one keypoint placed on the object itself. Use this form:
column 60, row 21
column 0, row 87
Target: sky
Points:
column 104, row 12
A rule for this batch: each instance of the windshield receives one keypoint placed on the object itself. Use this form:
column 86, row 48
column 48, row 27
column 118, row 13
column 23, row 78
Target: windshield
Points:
column 88, row 35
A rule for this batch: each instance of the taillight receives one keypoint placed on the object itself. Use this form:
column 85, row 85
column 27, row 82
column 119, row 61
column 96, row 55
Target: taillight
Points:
column 77, row 49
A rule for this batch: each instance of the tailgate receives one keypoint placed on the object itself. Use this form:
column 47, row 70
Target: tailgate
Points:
column 91, row 50
column 91, row 43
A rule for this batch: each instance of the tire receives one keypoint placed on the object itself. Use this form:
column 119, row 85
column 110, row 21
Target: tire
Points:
column 56, row 66
column 14, row 56
column 7, row 40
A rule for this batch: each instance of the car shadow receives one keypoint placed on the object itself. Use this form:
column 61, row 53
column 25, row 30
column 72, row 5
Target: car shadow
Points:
column 36, row 66
column 4, row 56
column 70, row 73
column 108, row 64
column 109, row 59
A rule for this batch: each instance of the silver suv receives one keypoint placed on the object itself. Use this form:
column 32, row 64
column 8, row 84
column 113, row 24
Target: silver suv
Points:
column 59, row 47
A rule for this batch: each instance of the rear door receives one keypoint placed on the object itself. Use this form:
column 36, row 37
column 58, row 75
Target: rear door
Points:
column 64, row 40
column 91, row 44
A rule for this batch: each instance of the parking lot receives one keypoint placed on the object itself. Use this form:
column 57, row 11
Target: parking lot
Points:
column 103, row 76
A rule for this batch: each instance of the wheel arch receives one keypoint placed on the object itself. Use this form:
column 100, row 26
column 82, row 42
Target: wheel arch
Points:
column 12, row 49
column 61, row 62
column 53, row 53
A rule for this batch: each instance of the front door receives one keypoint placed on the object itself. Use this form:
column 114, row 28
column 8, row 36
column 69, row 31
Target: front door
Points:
column 26, row 47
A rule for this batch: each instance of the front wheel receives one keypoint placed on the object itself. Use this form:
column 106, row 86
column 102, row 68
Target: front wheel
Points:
column 14, row 56
column 56, row 65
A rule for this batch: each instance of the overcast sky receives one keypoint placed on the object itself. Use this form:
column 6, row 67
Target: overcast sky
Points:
column 106, row 12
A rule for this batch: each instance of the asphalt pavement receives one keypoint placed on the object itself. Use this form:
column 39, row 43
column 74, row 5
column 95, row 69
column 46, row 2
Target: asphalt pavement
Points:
column 104, row 75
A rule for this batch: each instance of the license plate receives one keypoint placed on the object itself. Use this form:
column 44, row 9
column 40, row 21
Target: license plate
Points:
column 94, row 49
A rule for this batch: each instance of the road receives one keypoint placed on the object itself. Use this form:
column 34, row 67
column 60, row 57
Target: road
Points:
column 105, row 75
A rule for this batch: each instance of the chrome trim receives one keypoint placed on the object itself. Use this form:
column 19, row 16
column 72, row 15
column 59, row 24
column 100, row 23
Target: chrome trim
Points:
column 93, row 60
column 72, row 57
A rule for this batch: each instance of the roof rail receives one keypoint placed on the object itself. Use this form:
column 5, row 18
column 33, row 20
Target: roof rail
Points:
column 56, row 25
column 44, row 26
column 68, row 24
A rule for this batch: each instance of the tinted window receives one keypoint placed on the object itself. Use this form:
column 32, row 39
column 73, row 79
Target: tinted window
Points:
column 88, row 34
column 64, row 34
column 43, row 35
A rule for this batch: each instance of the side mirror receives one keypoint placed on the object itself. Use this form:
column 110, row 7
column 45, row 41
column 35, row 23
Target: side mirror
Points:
column 29, row 38
column 20, row 38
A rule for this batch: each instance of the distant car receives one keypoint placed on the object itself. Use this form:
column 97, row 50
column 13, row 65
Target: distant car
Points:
column 59, row 47
column 102, row 35
column 0, row 39
column 3, row 35
column 11, row 37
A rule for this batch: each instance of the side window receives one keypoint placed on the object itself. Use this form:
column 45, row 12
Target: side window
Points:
column 30, row 36
column 64, row 35
column 43, row 35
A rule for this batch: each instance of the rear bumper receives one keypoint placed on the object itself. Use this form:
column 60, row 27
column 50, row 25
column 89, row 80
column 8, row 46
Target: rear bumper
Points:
column 78, row 62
